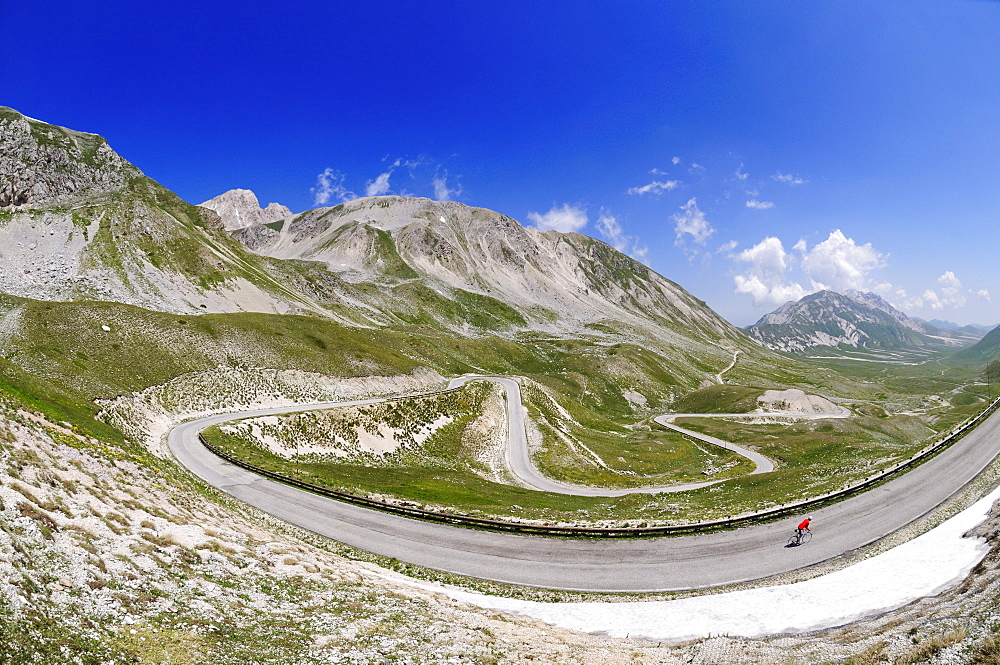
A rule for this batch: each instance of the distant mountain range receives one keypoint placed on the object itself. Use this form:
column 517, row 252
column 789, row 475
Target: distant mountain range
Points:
column 853, row 320
column 948, row 325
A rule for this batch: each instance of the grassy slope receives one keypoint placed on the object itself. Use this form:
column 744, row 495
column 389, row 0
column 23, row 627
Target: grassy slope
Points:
column 65, row 343
column 986, row 349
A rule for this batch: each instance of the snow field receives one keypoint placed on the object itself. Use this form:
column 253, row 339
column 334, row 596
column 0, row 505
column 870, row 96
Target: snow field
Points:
column 924, row 566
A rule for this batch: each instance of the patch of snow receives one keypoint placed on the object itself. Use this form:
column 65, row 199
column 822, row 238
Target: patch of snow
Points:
column 924, row 566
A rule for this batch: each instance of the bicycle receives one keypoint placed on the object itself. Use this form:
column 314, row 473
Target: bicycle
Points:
column 799, row 538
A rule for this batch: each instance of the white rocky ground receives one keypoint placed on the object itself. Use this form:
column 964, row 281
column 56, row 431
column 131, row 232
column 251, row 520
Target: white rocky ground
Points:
column 50, row 256
column 794, row 400
column 380, row 439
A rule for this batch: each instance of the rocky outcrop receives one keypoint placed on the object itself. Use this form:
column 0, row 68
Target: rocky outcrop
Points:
column 42, row 165
column 559, row 280
column 78, row 222
column 239, row 208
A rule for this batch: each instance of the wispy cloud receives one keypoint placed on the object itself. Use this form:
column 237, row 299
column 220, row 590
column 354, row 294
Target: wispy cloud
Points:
column 330, row 186
column 759, row 205
column 883, row 288
column 613, row 233
column 565, row 218
column 727, row 247
column 675, row 161
column 763, row 279
column 788, row 179
column 691, row 222
column 379, row 185
column 741, row 174
column 442, row 192
column 984, row 294
column 655, row 187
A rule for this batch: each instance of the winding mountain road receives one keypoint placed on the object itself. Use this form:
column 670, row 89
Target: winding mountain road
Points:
column 519, row 456
column 648, row 565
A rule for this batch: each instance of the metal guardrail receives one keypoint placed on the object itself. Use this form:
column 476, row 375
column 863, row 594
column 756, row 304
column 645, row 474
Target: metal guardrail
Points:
column 556, row 530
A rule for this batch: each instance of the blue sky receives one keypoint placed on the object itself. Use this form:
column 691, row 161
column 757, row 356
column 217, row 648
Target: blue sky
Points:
column 751, row 152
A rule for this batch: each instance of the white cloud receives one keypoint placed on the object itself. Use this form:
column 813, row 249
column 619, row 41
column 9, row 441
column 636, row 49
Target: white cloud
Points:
column 838, row 263
column 675, row 161
column 759, row 205
column 691, row 222
column 727, row 247
column 611, row 230
column 379, row 185
column 565, row 218
column 984, row 294
column 930, row 299
column 764, row 279
column 613, row 233
column 741, row 174
column 330, row 185
column 655, row 187
column 949, row 281
column 789, row 179
column 952, row 294
column 441, row 190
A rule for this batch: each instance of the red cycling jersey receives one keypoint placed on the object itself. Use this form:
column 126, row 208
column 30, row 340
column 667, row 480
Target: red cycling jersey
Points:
column 804, row 525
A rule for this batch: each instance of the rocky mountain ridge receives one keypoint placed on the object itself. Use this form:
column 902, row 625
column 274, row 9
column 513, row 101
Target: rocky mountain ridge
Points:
column 853, row 320
column 78, row 222
column 46, row 165
column 547, row 279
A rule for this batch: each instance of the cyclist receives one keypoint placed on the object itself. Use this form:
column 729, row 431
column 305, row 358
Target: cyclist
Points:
column 803, row 527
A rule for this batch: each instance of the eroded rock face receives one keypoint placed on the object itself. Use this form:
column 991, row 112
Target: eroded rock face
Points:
column 555, row 280
column 239, row 208
column 43, row 165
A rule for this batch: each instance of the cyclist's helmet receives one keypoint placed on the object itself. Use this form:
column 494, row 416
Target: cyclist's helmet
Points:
column 809, row 518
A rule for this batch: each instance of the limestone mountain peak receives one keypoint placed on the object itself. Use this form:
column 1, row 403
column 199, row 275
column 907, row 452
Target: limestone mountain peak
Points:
column 240, row 208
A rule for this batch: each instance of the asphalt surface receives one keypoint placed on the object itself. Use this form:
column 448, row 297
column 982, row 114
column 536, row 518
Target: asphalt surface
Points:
column 661, row 564
column 519, row 457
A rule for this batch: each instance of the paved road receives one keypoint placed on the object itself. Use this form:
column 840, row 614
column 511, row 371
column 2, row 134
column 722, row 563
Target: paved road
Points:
column 519, row 457
column 602, row 565
column 763, row 464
